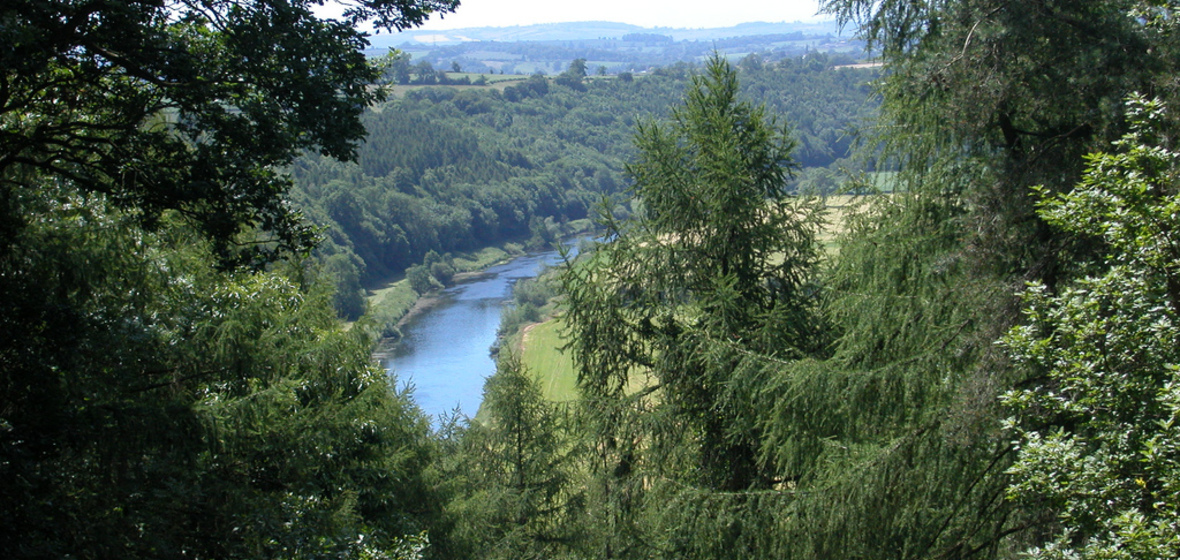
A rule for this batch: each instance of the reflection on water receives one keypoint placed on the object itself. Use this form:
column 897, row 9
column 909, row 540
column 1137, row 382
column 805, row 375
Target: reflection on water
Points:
column 444, row 351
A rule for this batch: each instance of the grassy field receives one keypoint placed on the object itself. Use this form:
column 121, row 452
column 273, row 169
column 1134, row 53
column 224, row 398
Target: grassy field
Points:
column 884, row 181
column 488, row 256
column 839, row 207
column 494, row 81
column 491, row 78
column 541, row 355
column 538, row 346
column 389, row 304
column 540, row 352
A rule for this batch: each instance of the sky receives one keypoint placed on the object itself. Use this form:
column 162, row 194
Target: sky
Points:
column 647, row 13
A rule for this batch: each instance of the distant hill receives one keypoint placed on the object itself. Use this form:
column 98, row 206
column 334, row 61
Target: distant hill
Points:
column 609, row 48
column 592, row 30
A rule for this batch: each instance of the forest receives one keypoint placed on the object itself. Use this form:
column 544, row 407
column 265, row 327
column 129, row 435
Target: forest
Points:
column 983, row 363
column 458, row 168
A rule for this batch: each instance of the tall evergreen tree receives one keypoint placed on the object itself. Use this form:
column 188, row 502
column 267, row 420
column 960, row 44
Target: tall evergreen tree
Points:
column 511, row 470
column 719, row 264
column 988, row 98
column 890, row 445
column 895, row 443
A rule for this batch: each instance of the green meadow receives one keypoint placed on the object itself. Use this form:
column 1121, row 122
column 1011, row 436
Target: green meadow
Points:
column 541, row 354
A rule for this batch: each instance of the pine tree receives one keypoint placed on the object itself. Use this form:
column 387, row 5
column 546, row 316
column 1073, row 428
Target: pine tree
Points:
column 718, row 265
column 512, row 493
column 894, row 444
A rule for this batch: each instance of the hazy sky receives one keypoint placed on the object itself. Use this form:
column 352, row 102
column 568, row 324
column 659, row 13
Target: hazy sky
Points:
column 647, row 13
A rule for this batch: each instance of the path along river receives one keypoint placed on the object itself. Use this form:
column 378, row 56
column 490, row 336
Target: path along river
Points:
column 444, row 350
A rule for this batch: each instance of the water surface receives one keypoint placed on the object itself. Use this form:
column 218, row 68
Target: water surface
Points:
column 444, row 351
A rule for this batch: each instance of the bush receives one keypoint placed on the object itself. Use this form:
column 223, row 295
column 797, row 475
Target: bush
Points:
column 441, row 268
column 533, row 291
column 421, row 279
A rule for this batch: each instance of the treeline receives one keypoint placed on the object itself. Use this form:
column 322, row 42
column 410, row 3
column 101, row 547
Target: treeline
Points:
column 629, row 53
column 397, row 68
column 448, row 169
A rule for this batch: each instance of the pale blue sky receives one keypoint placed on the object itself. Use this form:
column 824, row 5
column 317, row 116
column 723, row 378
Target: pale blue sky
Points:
column 647, row 13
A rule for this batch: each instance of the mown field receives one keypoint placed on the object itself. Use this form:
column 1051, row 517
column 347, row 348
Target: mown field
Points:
column 541, row 354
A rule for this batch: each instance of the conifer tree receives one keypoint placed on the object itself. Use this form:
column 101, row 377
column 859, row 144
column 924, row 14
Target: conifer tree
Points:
column 894, row 444
column 511, row 473
column 890, row 445
column 988, row 99
column 719, row 264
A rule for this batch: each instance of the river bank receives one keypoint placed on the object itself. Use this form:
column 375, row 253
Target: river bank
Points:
column 394, row 302
column 444, row 352
column 391, row 305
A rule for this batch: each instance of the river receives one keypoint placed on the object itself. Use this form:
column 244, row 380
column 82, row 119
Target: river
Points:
column 444, row 350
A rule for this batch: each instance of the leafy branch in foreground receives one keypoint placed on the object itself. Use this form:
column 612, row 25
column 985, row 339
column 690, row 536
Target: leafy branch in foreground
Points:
column 150, row 405
column 188, row 106
column 1099, row 431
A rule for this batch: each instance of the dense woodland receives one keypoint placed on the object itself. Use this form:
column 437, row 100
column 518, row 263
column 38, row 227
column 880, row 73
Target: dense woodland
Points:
column 449, row 169
column 984, row 366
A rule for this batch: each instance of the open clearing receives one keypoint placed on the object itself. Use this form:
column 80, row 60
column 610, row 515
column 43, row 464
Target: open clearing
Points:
column 540, row 353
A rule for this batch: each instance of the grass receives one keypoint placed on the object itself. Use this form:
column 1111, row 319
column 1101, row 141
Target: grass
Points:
column 884, row 181
column 483, row 258
column 554, row 370
column 540, row 353
column 839, row 207
column 491, row 78
column 494, row 81
column 389, row 304
column 539, row 346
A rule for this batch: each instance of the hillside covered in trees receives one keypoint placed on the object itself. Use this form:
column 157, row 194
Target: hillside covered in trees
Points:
column 459, row 168
column 984, row 366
